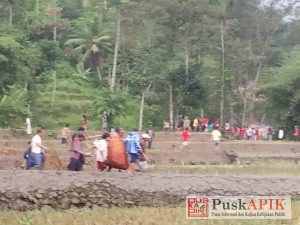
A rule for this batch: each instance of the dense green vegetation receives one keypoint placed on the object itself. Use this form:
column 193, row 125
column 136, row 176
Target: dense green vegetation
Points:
column 232, row 59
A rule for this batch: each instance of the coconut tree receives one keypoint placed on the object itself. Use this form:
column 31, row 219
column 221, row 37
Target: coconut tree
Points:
column 91, row 51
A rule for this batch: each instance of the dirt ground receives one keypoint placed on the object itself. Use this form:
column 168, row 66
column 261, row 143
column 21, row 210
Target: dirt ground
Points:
column 167, row 150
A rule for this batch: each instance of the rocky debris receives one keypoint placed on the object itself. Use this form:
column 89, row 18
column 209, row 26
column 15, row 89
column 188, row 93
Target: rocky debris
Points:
column 50, row 190
column 233, row 157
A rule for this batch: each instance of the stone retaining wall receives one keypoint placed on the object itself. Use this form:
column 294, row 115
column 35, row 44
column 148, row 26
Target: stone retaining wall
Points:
column 27, row 190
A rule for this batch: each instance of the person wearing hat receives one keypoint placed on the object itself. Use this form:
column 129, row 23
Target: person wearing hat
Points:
column 151, row 133
column 133, row 147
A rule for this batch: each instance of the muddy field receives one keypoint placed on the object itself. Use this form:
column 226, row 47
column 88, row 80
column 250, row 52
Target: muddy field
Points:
column 167, row 150
column 265, row 168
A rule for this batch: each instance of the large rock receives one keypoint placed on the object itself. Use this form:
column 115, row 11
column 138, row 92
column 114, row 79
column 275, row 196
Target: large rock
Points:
column 66, row 190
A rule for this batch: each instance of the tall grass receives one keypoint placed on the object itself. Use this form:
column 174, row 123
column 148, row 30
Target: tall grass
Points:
column 272, row 169
column 128, row 216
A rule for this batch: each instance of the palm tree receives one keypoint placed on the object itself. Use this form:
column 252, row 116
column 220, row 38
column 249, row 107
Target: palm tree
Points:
column 91, row 51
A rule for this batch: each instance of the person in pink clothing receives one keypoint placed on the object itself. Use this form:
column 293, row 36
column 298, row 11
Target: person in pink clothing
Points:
column 257, row 133
column 185, row 136
column 296, row 133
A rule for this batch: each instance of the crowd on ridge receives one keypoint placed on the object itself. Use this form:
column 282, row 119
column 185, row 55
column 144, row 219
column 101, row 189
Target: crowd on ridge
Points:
column 113, row 150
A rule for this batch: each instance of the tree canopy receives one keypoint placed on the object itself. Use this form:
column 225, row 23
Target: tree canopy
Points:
column 230, row 59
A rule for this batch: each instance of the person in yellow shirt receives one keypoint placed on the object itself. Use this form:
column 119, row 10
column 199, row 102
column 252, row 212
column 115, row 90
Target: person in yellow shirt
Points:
column 195, row 124
column 216, row 137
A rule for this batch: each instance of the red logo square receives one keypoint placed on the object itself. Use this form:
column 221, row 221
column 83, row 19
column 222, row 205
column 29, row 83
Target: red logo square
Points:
column 197, row 207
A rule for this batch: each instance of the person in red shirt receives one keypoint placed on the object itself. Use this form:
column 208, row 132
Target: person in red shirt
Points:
column 204, row 123
column 237, row 132
column 185, row 136
column 243, row 133
column 257, row 133
column 231, row 133
column 217, row 123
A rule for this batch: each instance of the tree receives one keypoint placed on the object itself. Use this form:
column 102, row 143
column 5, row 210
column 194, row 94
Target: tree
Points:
column 92, row 51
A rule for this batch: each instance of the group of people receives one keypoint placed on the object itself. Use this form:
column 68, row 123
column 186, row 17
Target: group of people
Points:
column 198, row 124
column 133, row 145
column 129, row 152
column 237, row 132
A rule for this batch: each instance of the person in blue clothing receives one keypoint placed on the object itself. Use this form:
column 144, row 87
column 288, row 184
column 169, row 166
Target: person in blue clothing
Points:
column 132, row 143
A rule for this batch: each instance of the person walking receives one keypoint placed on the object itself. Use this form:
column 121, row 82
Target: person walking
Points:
column 102, row 151
column 185, row 136
column 37, row 155
column 216, row 137
column 132, row 143
column 78, row 156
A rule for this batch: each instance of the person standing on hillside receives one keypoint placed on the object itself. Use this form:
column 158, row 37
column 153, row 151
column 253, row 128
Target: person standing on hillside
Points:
column 84, row 121
column 151, row 133
column 270, row 133
column 104, row 119
column 237, row 132
column 187, row 122
column 217, row 123
column 132, row 143
column 280, row 134
column 180, row 122
column 65, row 134
column 204, row 123
column 216, row 137
column 243, row 133
column 37, row 156
column 227, row 126
column 210, row 127
column 296, row 133
column 249, row 133
column 166, row 126
column 195, row 124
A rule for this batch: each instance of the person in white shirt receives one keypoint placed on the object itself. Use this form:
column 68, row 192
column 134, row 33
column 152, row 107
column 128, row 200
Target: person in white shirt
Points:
column 249, row 133
column 102, row 151
column 280, row 134
column 37, row 155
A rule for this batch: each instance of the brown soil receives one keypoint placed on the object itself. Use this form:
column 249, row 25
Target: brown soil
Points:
column 167, row 149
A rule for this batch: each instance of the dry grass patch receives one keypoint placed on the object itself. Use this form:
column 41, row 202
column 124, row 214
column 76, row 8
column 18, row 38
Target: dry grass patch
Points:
column 128, row 216
column 276, row 170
